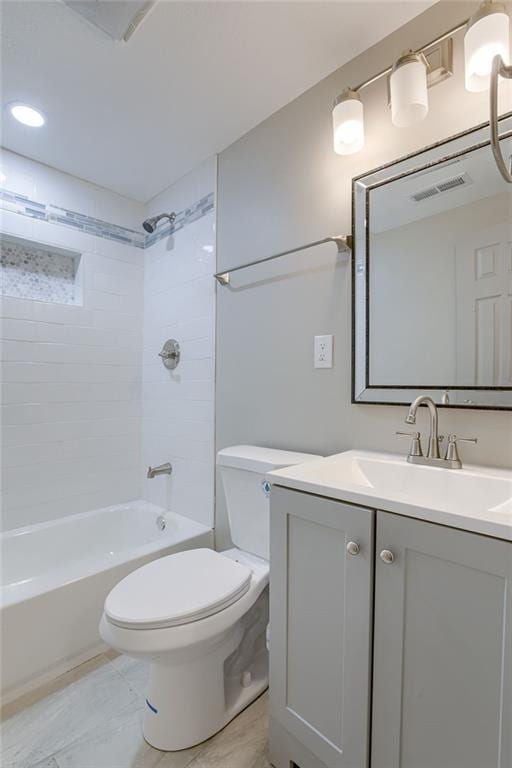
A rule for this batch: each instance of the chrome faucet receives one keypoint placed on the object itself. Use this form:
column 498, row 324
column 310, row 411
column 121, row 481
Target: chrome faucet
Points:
column 433, row 457
column 162, row 469
column 434, row 439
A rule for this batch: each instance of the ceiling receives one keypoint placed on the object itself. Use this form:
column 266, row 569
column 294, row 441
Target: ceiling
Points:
column 195, row 76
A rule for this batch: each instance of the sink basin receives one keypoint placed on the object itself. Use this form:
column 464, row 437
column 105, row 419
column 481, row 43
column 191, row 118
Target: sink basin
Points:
column 474, row 498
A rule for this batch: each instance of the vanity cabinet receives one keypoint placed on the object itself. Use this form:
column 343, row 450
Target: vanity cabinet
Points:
column 320, row 625
column 406, row 645
column 442, row 677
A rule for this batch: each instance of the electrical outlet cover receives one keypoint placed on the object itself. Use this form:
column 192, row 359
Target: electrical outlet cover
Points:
column 323, row 351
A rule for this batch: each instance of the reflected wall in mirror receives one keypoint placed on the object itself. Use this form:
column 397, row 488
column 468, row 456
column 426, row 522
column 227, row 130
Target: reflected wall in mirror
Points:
column 432, row 276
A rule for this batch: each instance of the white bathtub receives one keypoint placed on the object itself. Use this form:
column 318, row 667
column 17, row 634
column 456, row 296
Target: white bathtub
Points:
column 56, row 575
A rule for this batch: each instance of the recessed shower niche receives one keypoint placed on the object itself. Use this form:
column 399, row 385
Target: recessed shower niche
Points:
column 40, row 272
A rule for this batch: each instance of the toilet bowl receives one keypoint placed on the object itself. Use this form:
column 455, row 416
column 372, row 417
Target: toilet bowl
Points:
column 200, row 617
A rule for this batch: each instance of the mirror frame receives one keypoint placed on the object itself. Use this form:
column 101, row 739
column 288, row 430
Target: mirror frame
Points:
column 448, row 149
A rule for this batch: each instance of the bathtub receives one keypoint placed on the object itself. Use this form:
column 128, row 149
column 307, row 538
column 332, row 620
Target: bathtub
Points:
column 56, row 575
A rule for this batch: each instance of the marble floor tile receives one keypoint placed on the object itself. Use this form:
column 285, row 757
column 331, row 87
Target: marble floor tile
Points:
column 58, row 684
column 134, row 671
column 119, row 743
column 262, row 761
column 241, row 744
column 91, row 717
column 53, row 722
column 49, row 763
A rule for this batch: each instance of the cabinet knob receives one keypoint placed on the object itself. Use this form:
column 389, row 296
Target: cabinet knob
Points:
column 353, row 548
column 387, row 556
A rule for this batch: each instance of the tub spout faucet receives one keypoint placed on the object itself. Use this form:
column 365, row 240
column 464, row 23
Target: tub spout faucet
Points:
column 162, row 469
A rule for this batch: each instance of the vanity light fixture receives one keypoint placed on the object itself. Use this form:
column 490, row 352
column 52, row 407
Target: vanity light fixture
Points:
column 487, row 36
column 27, row 115
column 348, row 123
column 486, row 39
column 408, row 88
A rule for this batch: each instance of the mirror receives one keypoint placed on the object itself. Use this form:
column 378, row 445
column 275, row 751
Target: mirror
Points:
column 432, row 276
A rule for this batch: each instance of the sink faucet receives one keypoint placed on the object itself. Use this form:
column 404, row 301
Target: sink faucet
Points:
column 162, row 469
column 433, row 441
column 433, row 458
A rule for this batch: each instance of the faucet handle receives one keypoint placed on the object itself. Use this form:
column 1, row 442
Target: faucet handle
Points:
column 415, row 449
column 452, row 454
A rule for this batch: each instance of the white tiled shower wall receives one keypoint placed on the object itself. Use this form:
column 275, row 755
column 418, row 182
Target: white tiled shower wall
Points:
column 71, row 374
column 72, row 426
column 179, row 303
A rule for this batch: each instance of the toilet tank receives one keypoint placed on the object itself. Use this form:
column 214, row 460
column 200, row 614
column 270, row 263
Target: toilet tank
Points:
column 243, row 469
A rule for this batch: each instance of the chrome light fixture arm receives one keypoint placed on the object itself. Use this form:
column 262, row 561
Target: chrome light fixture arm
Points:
column 499, row 68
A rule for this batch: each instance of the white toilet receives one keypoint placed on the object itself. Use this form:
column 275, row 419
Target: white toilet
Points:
column 201, row 616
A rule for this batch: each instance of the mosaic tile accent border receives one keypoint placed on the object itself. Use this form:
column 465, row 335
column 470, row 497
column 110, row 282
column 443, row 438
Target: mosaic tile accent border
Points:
column 54, row 214
column 23, row 205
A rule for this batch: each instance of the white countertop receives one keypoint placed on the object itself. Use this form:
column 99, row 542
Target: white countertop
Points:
column 474, row 498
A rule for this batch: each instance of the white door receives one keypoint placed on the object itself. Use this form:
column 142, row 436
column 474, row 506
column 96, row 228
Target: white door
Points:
column 484, row 308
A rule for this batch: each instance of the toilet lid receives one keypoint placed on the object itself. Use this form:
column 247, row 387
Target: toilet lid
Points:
column 177, row 589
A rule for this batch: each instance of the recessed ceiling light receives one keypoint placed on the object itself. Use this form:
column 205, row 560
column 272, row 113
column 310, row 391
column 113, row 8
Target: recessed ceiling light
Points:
column 3, row 177
column 27, row 115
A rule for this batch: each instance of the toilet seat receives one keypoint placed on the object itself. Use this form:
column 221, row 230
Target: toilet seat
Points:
column 176, row 590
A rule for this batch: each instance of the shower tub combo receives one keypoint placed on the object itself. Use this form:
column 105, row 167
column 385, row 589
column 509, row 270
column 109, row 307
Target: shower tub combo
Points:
column 56, row 575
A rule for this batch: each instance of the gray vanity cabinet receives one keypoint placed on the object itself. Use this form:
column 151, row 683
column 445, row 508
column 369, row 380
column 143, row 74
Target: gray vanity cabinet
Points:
column 442, row 680
column 320, row 624
column 415, row 625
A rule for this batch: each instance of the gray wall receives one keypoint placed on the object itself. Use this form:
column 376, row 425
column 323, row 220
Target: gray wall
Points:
column 282, row 185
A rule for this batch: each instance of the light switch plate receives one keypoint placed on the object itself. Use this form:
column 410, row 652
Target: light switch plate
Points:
column 323, row 351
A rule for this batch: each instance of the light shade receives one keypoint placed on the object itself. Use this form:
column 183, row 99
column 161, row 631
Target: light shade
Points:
column 487, row 35
column 348, row 123
column 408, row 86
column 27, row 115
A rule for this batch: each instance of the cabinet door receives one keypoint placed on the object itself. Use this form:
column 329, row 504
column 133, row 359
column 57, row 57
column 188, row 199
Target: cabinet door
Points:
column 320, row 618
column 442, row 682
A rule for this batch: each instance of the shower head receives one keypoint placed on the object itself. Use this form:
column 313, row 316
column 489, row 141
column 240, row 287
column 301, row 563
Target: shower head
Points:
column 150, row 224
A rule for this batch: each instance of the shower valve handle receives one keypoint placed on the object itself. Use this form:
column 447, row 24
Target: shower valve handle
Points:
column 170, row 354
column 166, row 355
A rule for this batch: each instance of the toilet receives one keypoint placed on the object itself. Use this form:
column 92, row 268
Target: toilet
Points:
column 200, row 617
